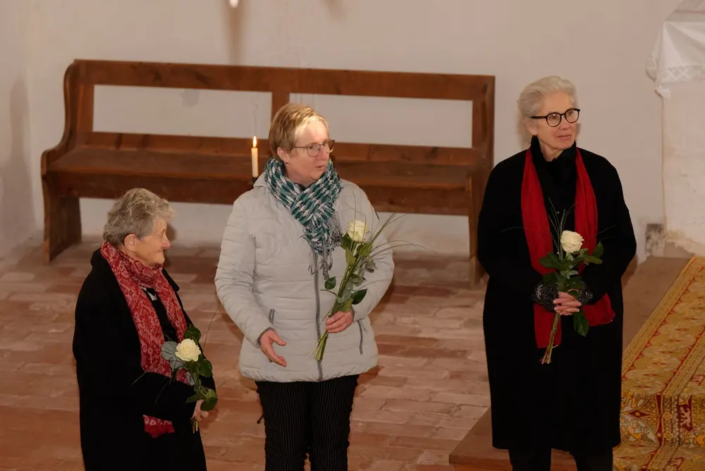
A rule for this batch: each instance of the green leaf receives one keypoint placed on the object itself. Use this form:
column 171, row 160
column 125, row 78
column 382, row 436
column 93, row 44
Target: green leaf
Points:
column 599, row 250
column 580, row 323
column 204, row 368
column 575, row 284
column 551, row 278
column 551, row 261
column 210, row 400
column 347, row 242
column 358, row 296
column 590, row 259
column 169, row 350
column 567, row 266
column 355, row 280
column 364, row 250
column 193, row 333
column 194, row 398
column 561, row 282
column 347, row 291
column 330, row 283
column 169, row 353
column 346, row 306
column 349, row 257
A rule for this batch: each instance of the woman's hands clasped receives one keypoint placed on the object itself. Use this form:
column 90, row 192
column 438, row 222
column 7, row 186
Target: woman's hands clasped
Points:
column 566, row 304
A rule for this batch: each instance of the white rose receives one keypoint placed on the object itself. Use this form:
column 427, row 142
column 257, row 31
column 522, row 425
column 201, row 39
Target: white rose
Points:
column 187, row 350
column 571, row 241
column 357, row 230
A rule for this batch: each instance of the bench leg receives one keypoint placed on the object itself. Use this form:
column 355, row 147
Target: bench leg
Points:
column 475, row 272
column 62, row 220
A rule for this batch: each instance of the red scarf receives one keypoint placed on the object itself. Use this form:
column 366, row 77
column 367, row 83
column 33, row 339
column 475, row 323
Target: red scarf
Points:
column 132, row 276
column 538, row 237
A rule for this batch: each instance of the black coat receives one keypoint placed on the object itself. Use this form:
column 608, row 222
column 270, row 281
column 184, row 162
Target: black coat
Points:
column 573, row 403
column 114, row 392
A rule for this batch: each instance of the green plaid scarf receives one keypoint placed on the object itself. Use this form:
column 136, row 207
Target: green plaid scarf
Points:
column 312, row 207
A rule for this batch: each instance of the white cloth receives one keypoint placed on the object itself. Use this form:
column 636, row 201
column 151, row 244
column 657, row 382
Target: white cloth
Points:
column 679, row 52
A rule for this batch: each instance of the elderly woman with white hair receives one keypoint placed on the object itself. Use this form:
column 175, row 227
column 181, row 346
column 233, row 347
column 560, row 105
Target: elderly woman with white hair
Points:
column 133, row 415
column 572, row 403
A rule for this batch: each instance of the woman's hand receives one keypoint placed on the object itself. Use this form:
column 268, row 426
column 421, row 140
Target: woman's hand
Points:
column 265, row 344
column 566, row 304
column 339, row 321
column 199, row 414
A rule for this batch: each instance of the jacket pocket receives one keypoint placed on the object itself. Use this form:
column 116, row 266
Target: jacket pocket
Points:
column 359, row 325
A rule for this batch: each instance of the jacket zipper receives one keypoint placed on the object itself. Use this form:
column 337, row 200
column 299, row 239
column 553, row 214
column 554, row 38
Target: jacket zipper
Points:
column 359, row 324
column 318, row 310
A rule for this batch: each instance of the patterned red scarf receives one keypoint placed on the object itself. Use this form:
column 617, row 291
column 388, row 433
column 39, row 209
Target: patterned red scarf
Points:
column 132, row 276
column 538, row 237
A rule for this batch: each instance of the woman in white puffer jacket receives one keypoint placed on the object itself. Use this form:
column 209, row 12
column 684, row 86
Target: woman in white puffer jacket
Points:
column 281, row 242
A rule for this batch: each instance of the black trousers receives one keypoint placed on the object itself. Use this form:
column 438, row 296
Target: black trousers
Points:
column 540, row 460
column 307, row 418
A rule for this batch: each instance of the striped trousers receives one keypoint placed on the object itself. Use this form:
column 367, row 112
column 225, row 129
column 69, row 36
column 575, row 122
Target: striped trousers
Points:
column 307, row 418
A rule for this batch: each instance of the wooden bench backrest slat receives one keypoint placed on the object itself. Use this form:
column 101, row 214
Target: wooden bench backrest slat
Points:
column 83, row 75
column 239, row 146
column 285, row 80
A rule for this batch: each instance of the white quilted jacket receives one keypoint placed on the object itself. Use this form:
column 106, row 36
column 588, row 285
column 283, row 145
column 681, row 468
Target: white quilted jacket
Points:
column 263, row 281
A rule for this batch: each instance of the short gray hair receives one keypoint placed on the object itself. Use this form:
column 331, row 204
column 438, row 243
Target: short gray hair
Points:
column 135, row 213
column 531, row 97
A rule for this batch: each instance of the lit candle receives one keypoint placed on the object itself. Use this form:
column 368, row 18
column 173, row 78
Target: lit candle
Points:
column 255, row 172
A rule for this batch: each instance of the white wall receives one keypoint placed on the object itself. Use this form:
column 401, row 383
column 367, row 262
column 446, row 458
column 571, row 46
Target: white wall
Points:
column 684, row 165
column 601, row 45
column 17, row 218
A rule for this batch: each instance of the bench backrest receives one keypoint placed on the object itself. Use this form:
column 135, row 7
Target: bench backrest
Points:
column 83, row 75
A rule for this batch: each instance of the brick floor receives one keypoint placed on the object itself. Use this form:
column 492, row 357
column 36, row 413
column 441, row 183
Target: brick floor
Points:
column 409, row 413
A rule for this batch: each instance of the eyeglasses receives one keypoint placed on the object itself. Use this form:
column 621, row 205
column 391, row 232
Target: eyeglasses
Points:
column 315, row 149
column 554, row 119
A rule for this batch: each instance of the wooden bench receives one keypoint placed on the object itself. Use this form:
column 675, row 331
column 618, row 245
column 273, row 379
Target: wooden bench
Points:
column 409, row 179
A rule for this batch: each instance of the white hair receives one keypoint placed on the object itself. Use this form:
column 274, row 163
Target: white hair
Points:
column 135, row 213
column 531, row 98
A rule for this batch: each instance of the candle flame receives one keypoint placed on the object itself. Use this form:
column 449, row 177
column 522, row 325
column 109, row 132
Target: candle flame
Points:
column 254, row 141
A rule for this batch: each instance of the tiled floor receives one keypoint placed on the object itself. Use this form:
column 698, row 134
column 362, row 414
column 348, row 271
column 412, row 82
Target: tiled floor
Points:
column 409, row 413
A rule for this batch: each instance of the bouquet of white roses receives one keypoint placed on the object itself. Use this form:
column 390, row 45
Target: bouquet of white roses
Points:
column 360, row 254
column 566, row 278
column 187, row 355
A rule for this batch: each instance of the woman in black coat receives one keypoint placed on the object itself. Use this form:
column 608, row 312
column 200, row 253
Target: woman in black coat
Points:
column 573, row 403
column 132, row 415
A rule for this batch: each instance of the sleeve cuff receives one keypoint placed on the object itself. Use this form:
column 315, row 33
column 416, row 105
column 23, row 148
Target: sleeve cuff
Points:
column 263, row 332
column 544, row 295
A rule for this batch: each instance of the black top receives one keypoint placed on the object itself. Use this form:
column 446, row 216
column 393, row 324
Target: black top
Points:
column 114, row 391
column 558, row 178
column 167, row 327
column 574, row 403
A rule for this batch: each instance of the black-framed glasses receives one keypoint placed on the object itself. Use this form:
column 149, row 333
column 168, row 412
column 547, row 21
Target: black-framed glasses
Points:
column 554, row 119
column 315, row 149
